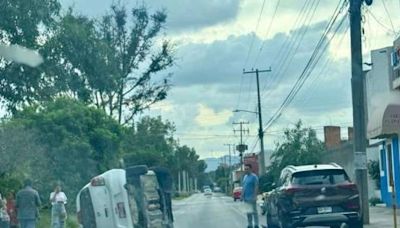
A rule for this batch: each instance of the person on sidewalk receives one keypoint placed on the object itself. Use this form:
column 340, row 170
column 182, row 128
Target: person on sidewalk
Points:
column 11, row 210
column 27, row 204
column 4, row 217
column 58, row 213
column 249, row 195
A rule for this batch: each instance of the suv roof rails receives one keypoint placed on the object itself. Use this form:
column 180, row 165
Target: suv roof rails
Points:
column 334, row 164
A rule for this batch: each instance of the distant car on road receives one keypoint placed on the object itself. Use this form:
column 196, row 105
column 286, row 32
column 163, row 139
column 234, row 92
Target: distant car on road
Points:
column 237, row 193
column 314, row 195
column 217, row 189
column 207, row 192
column 206, row 187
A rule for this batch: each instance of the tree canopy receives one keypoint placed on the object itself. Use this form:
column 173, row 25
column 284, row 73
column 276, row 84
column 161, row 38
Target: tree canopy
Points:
column 115, row 62
column 300, row 146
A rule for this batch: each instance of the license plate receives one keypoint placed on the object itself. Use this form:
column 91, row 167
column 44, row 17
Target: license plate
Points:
column 324, row 210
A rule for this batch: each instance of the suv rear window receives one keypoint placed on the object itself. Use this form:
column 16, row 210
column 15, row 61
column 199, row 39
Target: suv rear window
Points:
column 320, row 177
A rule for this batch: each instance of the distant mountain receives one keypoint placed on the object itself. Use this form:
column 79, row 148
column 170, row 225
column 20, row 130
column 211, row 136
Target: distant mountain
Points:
column 213, row 163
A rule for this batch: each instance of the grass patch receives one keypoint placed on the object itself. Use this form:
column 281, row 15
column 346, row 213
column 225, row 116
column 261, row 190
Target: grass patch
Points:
column 45, row 219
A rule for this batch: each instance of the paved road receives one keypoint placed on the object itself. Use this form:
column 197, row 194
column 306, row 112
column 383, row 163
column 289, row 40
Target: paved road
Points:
column 219, row 211
column 199, row 211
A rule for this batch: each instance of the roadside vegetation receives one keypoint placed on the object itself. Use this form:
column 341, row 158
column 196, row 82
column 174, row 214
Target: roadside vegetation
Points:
column 77, row 114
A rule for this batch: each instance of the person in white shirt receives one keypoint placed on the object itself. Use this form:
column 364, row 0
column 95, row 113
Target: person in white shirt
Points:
column 58, row 213
column 4, row 218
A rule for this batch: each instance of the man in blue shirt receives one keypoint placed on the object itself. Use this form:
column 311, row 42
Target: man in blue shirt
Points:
column 249, row 195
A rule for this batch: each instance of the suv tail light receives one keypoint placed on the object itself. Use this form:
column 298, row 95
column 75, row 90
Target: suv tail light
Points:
column 98, row 181
column 353, row 204
column 350, row 186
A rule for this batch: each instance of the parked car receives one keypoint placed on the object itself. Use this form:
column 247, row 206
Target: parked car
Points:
column 205, row 187
column 314, row 195
column 207, row 192
column 237, row 193
column 217, row 189
column 263, row 202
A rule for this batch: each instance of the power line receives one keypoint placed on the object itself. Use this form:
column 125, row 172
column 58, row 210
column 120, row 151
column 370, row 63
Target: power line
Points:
column 248, row 53
column 298, row 85
column 288, row 44
column 379, row 22
column 325, row 67
column 290, row 47
column 309, row 66
column 302, row 21
column 388, row 14
column 268, row 31
column 255, row 34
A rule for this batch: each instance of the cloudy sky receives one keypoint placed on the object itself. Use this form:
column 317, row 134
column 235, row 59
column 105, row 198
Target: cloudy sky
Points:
column 217, row 39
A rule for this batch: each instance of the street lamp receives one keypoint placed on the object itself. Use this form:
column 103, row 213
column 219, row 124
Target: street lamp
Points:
column 261, row 137
column 241, row 110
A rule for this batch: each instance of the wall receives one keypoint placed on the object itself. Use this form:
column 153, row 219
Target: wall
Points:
column 379, row 92
column 332, row 136
column 344, row 157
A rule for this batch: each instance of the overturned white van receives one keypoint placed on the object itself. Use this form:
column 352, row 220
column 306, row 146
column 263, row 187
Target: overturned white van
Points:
column 131, row 198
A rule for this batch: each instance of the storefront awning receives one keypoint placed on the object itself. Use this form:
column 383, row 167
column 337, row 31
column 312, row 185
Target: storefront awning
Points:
column 385, row 124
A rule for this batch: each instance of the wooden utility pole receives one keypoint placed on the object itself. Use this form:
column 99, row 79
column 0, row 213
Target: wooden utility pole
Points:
column 241, row 147
column 261, row 159
column 357, row 88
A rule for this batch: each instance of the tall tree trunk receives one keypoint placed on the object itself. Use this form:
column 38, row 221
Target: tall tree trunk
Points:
column 120, row 101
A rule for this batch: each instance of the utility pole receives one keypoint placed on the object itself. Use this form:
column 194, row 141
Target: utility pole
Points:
column 179, row 182
column 357, row 88
column 230, row 165
column 260, row 129
column 241, row 147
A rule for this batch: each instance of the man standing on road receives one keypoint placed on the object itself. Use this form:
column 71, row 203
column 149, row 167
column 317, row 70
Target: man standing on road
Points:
column 27, row 203
column 249, row 195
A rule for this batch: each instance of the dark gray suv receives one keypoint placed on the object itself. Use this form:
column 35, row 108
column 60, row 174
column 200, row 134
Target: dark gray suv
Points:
column 314, row 195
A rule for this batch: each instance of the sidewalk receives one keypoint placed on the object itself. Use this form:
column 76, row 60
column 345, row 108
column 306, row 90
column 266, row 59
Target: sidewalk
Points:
column 382, row 217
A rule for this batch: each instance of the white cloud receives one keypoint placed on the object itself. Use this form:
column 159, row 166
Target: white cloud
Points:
column 208, row 117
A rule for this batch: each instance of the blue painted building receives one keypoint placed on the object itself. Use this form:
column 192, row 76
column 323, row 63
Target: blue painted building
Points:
column 383, row 117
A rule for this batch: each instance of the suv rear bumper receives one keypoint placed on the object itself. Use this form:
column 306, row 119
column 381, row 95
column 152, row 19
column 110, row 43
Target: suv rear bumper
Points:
column 325, row 219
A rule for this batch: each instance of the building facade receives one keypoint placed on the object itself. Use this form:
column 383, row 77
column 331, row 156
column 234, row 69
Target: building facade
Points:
column 383, row 117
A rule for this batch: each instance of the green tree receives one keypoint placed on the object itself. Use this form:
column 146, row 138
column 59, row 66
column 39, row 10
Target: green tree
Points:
column 21, row 156
column 26, row 23
column 300, row 146
column 111, row 62
column 79, row 142
column 149, row 142
column 374, row 172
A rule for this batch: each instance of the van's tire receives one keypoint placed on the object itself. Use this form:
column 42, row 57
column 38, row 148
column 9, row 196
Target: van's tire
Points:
column 136, row 170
